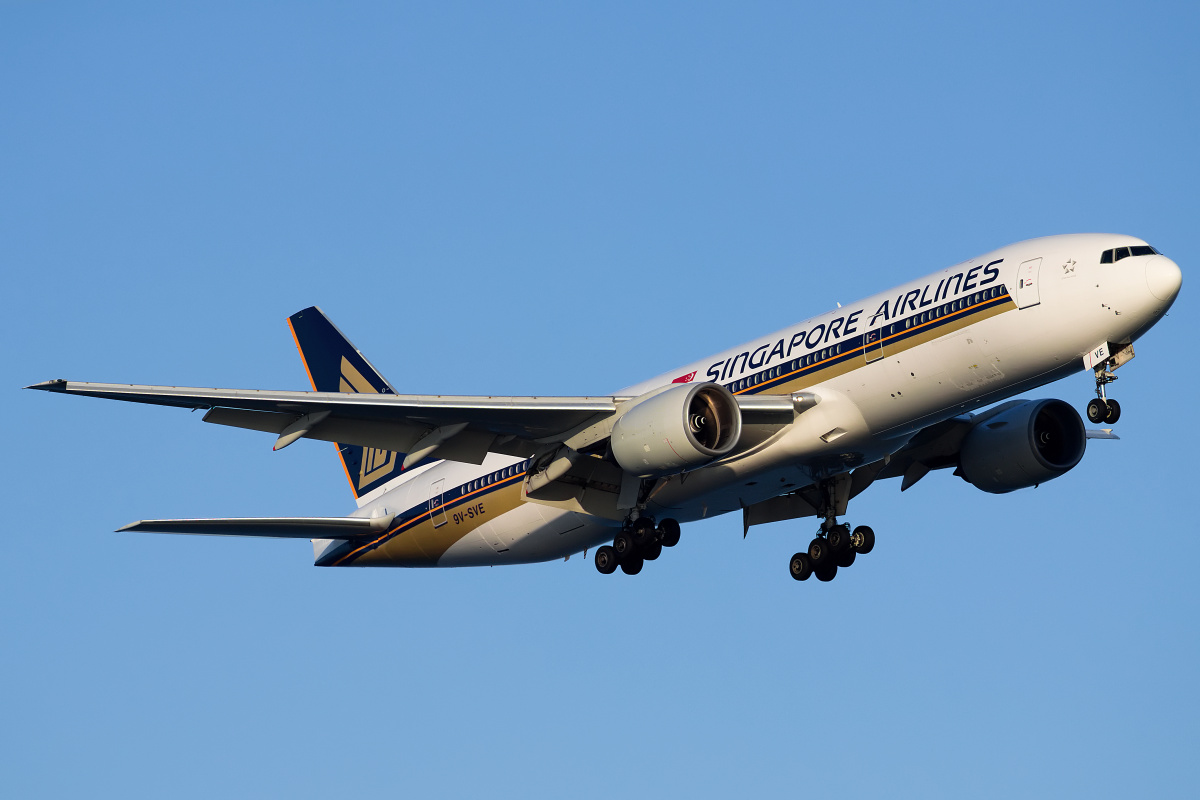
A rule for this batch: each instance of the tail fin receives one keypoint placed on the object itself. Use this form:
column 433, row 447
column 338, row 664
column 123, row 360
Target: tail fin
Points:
column 336, row 365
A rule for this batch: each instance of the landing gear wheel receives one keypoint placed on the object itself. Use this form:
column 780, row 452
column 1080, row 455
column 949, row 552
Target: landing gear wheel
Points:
column 1114, row 412
column 826, row 574
column 652, row 551
column 862, row 540
column 623, row 545
column 800, row 566
column 606, row 560
column 820, row 553
column 846, row 559
column 668, row 529
column 643, row 530
column 632, row 566
column 839, row 539
column 1097, row 410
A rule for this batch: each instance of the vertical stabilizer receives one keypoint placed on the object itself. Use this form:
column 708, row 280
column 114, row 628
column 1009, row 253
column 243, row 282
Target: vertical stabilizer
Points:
column 336, row 365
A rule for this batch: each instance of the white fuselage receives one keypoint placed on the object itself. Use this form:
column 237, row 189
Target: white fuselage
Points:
column 883, row 368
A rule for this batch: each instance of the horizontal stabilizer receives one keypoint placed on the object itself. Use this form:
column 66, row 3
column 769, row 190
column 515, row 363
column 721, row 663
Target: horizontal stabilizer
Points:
column 274, row 527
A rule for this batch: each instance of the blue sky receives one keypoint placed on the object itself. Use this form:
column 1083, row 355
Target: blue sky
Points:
column 565, row 199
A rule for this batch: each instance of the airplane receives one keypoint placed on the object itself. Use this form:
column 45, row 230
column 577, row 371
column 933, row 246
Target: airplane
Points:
column 790, row 425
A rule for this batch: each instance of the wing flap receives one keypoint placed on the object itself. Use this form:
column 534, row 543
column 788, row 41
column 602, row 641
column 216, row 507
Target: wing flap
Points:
column 271, row 527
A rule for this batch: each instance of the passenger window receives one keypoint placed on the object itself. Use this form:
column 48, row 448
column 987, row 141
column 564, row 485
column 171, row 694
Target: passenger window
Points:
column 1121, row 252
column 1106, row 257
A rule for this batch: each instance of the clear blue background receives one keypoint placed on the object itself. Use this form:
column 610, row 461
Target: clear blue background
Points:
column 564, row 199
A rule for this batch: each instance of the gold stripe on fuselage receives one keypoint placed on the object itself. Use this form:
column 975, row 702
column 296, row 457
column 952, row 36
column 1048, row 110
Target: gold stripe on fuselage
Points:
column 417, row 542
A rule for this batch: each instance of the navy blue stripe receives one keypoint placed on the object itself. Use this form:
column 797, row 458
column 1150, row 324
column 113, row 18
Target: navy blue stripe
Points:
column 849, row 349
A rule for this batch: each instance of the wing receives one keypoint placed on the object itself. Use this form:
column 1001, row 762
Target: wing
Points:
column 457, row 428
column 273, row 527
column 935, row 447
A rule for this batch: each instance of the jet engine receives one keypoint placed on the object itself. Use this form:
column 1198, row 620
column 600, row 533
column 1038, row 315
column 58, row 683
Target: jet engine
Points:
column 678, row 428
column 1028, row 444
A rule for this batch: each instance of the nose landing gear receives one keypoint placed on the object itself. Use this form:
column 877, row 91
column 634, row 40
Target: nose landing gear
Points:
column 639, row 541
column 1102, row 409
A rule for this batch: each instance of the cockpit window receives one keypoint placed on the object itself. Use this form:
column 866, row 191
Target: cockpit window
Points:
column 1116, row 254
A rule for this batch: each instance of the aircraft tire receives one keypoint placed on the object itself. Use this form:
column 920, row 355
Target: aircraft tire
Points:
column 846, row 559
column 1097, row 411
column 668, row 529
column 819, row 553
column 800, row 566
column 863, row 539
column 606, row 560
column 623, row 545
column 839, row 539
column 826, row 574
column 632, row 566
column 651, row 551
column 1114, row 412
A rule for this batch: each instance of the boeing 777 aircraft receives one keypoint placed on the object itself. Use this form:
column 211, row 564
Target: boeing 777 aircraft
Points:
column 790, row 425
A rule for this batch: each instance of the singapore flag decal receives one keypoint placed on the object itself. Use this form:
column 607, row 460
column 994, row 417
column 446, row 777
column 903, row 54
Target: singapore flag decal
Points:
column 685, row 378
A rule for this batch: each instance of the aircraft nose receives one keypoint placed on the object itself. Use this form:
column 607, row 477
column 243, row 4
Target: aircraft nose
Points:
column 1163, row 277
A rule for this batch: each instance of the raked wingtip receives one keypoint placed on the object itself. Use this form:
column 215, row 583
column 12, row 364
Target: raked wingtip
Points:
column 58, row 385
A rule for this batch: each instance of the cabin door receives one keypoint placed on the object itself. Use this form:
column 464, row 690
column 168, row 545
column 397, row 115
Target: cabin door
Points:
column 1027, row 283
column 437, row 512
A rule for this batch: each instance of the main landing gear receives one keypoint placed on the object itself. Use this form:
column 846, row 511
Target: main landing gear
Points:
column 837, row 548
column 1101, row 409
column 638, row 542
column 835, row 545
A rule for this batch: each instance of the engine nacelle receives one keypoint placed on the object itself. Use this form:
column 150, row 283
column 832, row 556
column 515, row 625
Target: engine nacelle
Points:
column 679, row 428
column 1028, row 444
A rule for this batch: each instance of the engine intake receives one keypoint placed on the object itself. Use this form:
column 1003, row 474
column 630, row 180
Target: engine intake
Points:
column 676, row 429
column 1028, row 444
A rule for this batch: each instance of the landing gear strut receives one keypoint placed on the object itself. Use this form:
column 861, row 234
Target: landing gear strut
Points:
column 639, row 541
column 1101, row 409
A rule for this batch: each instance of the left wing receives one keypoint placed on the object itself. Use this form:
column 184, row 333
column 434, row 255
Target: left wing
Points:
column 459, row 428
